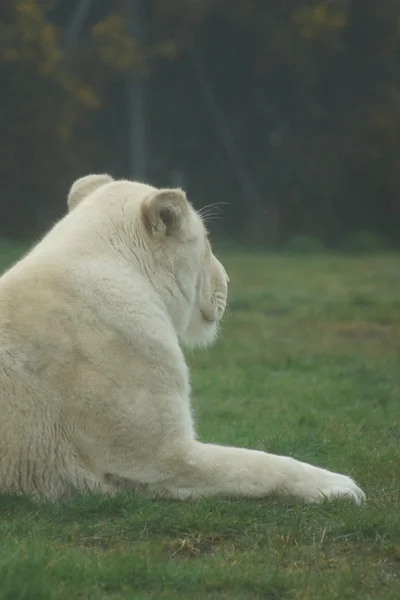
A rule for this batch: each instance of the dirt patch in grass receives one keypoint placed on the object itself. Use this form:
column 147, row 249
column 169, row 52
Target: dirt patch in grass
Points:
column 199, row 545
column 362, row 331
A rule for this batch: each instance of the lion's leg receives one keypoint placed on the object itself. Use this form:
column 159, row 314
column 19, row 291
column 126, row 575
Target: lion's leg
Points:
column 207, row 470
column 154, row 451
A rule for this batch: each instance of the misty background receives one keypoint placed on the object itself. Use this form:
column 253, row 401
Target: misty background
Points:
column 286, row 112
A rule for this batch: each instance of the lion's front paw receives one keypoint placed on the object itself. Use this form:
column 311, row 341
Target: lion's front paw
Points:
column 329, row 485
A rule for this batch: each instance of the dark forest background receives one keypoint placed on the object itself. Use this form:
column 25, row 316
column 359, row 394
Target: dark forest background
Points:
column 285, row 111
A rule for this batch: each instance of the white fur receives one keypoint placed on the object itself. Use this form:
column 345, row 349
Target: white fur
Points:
column 94, row 388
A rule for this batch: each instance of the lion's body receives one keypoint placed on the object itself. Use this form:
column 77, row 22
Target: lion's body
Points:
column 94, row 388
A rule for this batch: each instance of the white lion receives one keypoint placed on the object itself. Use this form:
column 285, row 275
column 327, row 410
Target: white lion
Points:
column 94, row 388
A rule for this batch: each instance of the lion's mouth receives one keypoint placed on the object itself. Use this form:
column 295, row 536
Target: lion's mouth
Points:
column 213, row 311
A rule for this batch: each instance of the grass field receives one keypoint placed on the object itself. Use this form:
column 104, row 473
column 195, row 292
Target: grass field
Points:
column 308, row 365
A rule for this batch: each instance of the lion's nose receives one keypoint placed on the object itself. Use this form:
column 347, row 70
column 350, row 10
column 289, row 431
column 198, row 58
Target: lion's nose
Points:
column 224, row 271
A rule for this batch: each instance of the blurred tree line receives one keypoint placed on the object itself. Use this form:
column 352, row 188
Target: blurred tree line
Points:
column 286, row 110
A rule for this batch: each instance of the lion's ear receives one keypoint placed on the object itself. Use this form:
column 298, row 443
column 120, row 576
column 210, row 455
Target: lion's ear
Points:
column 85, row 186
column 164, row 211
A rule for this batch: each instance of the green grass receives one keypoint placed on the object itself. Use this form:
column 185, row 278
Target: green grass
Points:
column 308, row 365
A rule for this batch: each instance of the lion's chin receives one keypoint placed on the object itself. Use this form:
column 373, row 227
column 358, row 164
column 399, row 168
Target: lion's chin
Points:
column 208, row 317
column 201, row 334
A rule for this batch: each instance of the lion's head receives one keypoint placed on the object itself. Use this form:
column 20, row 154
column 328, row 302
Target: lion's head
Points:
column 159, row 232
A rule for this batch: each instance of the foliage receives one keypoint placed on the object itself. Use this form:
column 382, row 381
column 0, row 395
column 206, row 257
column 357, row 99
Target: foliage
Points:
column 308, row 89
column 46, row 100
column 365, row 242
column 303, row 368
column 304, row 244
